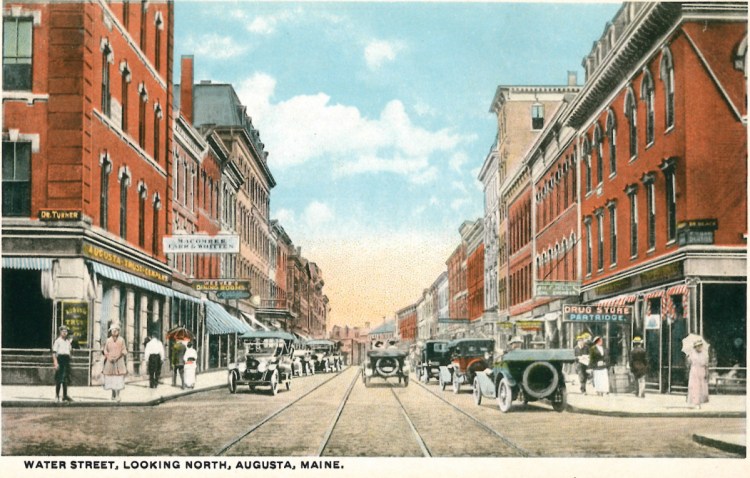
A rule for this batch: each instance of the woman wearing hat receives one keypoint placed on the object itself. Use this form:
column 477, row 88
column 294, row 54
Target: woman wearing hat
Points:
column 115, row 368
column 598, row 362
column 698, row 378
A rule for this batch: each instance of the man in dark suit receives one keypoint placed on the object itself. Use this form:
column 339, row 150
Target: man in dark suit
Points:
column 582, row 361
column 639, row 366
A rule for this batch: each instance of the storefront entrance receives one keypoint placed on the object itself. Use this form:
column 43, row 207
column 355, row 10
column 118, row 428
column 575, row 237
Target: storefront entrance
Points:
column 27, row 315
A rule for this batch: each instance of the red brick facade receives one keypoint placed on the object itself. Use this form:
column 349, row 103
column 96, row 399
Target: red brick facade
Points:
column 475, row 283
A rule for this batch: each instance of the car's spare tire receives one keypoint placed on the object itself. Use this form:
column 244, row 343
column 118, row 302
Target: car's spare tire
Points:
column 387, row 366
column 540, row 379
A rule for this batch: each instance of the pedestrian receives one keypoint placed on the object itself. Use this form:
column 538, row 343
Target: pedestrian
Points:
column 154, row 354
column 191, row 364
column 178, row 362
column 115, row 367
column 61, row 349
column 598, row 362
column 582, row 361
column 516, row 343
column 639, row 366
column 698, row 379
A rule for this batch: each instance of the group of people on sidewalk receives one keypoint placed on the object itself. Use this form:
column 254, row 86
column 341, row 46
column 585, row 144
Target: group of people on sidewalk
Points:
column 591, row 356
column 114, row 368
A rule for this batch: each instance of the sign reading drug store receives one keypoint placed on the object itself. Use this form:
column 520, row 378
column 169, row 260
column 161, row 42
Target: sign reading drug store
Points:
column 596, row 313
column 201, row 243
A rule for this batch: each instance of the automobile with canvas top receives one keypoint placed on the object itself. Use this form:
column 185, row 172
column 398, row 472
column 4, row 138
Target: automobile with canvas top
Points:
column 386, row 361
column 266, row 361
column 526, row 376
column 432, row 355
column 325, row 354
column 468, row 356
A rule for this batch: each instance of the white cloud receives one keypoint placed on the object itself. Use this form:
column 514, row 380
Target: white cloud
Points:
column 458, row 203
column 215, row 46
column 458, row 160
column 459, row 186
column 379, row 52
column 318, row 214
column 285, row 216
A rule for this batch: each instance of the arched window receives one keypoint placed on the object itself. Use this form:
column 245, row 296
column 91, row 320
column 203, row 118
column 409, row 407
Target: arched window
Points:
column 587, row 162
column 611, row 130
column 107, row 58
column 631, row 113
column 142, row 116
column 647, row 96
column 142, row 196
column 666, row 71
column 124, row 185
column 157, row 130
column 155, row 239
column 106, row 168
column 599, row 154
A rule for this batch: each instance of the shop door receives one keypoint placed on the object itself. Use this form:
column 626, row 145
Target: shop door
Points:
column 27, row 315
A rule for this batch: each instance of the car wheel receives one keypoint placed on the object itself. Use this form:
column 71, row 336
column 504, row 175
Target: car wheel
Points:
column 560, row 405
column 504, row 395
column 232, row 382
column 477, row 392
column 275, row 383
column 456, row 384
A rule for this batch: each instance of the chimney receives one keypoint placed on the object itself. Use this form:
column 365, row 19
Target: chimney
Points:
column 186, row 87
column 572, row 78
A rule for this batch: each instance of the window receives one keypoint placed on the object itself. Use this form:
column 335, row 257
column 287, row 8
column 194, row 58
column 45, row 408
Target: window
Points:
column 125, row 81
column 142, row 196
column 106, row 168
column 587, row 222
column 667, row 77
column 648, row 181
column 631, row 113
column 16, row 178
column 142, row 117
column 632, row 195
column 157, row 43
column 600, row 239
column 155, row 233
column 144, row 14
column 647, row 95
column 587, row 163
column 106, row 94
column 537, row 116
column 612, row 140
column 17, row 53
column 612, row 233
column 157, row 131
column 124, row 184
column 668, row 167
column 599, row 154
column 126, row 13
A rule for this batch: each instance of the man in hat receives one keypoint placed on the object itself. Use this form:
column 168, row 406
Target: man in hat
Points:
column 639, row 366
column 61, row 361
column 581, row 351
column 154, row 353
column 516, row 343
column 178, row 362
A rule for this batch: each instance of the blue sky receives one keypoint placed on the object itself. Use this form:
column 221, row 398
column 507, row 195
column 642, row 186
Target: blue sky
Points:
column 376, row 119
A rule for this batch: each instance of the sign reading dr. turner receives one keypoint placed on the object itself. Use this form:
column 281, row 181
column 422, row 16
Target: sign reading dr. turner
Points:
column 199, row 243
column 596, row 313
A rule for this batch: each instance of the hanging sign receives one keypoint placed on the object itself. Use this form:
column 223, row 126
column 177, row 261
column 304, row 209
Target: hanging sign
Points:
column 202, row 244
column 595, row 313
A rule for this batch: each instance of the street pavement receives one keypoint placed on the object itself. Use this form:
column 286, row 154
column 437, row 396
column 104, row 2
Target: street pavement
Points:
column 138, row 393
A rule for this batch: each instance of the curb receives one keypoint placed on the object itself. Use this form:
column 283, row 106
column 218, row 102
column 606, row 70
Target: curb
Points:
column 720, row 444
column 106, row 403
column 619, row 413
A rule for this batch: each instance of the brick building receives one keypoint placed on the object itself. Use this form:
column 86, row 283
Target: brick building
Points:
column 406, row 318
column 474, row 237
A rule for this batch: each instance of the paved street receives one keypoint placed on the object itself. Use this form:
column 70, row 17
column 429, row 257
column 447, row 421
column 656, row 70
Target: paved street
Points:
column 384, row 419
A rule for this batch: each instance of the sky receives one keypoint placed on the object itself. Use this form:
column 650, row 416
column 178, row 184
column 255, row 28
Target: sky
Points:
column 376, row 117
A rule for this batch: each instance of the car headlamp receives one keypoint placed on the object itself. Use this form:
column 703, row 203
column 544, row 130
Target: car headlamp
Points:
column 242, row 367
column 262, row 367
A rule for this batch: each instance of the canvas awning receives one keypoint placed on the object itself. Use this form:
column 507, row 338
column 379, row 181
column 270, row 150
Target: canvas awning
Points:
column 221, row 322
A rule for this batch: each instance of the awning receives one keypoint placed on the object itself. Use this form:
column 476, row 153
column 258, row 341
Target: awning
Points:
column 258, row 324
column 680, row 289
column 617, row 301
column 124, row 277
column 221, row 322
column 27, row 263
column 654, row 294
column 180, row 295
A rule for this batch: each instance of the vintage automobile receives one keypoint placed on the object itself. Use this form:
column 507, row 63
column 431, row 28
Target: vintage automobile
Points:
column 266, row 361
column 468, row 356
column 302, row 362
column 386, row 361
column 325, row 355
column 527, row 376
column 433, row 355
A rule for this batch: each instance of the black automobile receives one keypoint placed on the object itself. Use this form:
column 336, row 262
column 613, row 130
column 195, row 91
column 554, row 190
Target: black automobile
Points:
column 526, row 376
column 468, row 356
column 386, row 361
column 433, row 355
column 266, row 361
column 326, row 355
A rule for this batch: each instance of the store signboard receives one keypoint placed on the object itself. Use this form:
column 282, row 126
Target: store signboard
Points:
column 557, row 288
column 595, row 313
column 60, row 215
column 202, row 244
column 75, row 316
column 222, row 286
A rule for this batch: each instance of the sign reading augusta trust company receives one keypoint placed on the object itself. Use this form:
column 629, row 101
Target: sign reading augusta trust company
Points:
column 200, row 243
column 595, row 313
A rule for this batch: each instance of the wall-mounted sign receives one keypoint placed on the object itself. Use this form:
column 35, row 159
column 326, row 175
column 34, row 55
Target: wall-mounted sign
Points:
column 202, row 244
column 75, row 316
column 595, row 313
column 652, row 322
column 557, row 288
column 60, row 215
column 222, row 285
column 696, row 231
column 529, row 325
column 233, row 294
column 124, row 263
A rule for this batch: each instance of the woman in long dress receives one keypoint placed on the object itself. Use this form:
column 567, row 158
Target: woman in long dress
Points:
column 698, row 378
column 115, row 367
column 598, row 362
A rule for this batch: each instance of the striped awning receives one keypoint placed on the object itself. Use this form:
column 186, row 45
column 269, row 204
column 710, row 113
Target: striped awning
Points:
column 221, row 322
column 679, row 289
column 654, row 294
column 27, row 263
column 124, row 277
column 617, row 301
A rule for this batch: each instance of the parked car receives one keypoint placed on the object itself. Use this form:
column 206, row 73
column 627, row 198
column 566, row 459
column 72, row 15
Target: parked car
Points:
column 386, row 361
column 302, row 362
column 468, row 356
column 325, row 355
column 433, row 355
column 267, row 361
column 527, row 376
